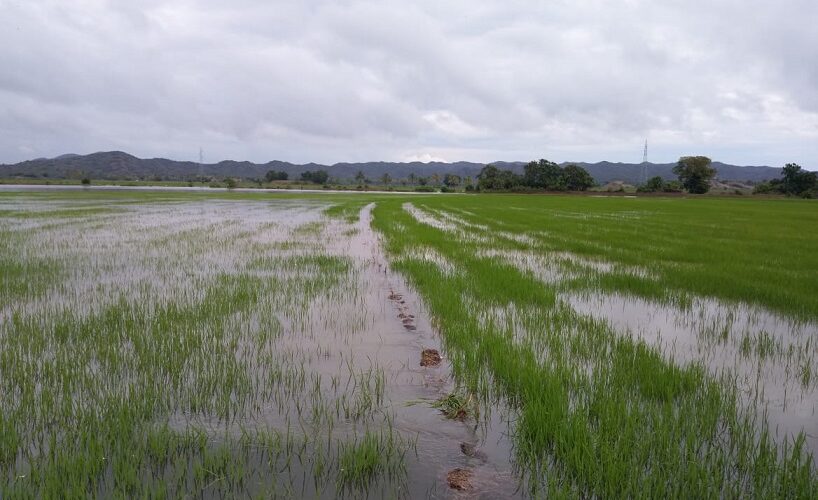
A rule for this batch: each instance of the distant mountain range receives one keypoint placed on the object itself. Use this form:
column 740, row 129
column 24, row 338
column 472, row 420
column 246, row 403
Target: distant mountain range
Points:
column 116, row 165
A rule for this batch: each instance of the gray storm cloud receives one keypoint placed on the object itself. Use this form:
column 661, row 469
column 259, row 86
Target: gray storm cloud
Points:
column 353, row 81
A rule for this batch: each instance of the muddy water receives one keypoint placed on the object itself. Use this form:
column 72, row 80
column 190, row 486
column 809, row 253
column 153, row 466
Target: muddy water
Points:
column 398, row 343
column 369, row 326
column 380, row 325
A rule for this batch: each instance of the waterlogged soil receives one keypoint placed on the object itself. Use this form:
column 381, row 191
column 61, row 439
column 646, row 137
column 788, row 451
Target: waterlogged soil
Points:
column 402, row 333
column 368, row 346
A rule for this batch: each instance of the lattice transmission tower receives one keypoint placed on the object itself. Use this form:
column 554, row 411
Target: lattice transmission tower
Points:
column 201, row 160
column 644, row 173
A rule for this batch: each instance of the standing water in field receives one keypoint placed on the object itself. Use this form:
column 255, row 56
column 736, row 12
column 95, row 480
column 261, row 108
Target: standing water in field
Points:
column 746, row 373
column 221, row 348
column 768, row 358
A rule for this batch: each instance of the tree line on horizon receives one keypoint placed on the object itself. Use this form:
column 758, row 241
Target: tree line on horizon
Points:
column 542, row 175
column 794, row 181
column 695, row 174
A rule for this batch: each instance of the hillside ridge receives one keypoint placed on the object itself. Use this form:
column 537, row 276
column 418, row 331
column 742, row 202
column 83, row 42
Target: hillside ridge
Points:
column 119, row 165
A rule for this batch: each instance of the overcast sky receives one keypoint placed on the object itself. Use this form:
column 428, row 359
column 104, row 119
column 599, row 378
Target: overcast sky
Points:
column 306, row 80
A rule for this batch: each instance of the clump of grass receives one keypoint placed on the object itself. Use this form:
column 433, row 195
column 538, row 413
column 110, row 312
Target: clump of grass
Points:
column 458, row 406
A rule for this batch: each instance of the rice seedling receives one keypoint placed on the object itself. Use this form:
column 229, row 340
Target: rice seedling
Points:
column 367, row 457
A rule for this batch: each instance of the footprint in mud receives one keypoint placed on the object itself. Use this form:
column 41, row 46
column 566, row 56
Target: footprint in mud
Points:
column 407, row 319
column 430, row 357
column 472, row 451
column 459, row 479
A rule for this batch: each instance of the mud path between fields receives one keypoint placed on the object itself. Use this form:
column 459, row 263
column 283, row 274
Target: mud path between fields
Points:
column 421, row 372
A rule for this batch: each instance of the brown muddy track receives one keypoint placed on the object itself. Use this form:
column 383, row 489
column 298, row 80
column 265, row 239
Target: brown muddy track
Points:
column 407, row 319
column 485, row 461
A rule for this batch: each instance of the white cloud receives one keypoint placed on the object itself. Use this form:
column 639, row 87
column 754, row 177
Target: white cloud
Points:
column 423, row 157
column 353, row 80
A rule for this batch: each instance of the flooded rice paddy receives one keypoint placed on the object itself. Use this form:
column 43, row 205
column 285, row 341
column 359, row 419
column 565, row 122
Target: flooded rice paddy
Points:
column 750, row 369
column 221, row 346
column 769, row 357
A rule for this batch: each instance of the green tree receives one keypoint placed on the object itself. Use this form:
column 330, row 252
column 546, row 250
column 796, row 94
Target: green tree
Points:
column 673, row 187
column 320, row 177
column 576, row 178
column 386, row 179
column 543, row 174
column 695, row 173
column 492, row 178
column 451, row 180
column 487, row 178
column 274, row 175
column 360, row 177
column 653, row 185
column 797, row 180
column 768, row 187
column 509, row 180
column 317, row 177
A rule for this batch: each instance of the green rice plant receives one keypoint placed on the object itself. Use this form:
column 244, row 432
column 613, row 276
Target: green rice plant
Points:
column 362, row 460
